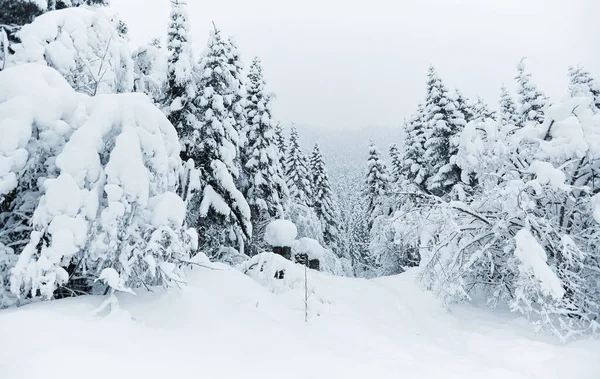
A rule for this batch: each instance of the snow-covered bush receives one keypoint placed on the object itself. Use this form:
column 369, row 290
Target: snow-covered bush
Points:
column 83, row 45
column 93, row 182
column 529, row 234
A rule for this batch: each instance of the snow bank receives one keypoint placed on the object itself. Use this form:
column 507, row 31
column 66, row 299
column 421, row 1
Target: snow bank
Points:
column 280, row 233
column 83, row 45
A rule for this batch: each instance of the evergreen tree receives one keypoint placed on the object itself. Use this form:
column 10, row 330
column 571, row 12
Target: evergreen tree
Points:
column 444, row 124
column 239, row 102
column 531, row 102
column 463, row 105
column 482, row 111
column 413, row 168
column 16, row 13
column 508, row 110
column 396, row 163
column 377, row 185
column 180, row 88
column 266, row 186
column 324, row 202
column 280, row 141
column 223, row 210
column 582, row 84
column 297, row 172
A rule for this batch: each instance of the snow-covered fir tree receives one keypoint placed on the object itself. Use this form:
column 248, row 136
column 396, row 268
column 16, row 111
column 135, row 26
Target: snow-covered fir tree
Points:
column 181, row 88
column 266, row 187
column 297, row 171
column 280, row 142
column 395, row 163
column 581, row 83
column 323, row 201
column 507, row 116
column 377, row 185
column 443, row 125
column 413, row 167
column 531, row 102
column 223, row 221
column 482, row 111
column 463, row 105
column 238, row 105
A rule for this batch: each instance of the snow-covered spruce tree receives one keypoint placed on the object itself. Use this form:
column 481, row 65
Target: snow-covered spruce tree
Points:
column 280, row 142
column 180, row 90
column 413, row 167
column 531, row 102
column 582, row 84
column 83, row 45
column 443, row 125
column 507, row 116
column 464, row 105
column 396, row 164
column 377, row 186
column 297, row 171
column 238, row 106
column 91, row 183
column 482, row 111
column 266, row 187
column 223, row 219
column 323, row 202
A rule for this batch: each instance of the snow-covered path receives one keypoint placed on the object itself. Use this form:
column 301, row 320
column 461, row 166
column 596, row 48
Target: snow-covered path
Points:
column 226, row 325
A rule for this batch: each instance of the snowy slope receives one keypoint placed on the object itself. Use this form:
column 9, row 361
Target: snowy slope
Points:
column 226, row 325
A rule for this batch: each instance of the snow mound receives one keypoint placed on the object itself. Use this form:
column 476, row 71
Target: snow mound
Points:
column 329, row 262
column 83, row 45
column 280, row 233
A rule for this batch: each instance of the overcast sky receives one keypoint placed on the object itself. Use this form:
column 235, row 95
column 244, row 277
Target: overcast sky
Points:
column 349, row 64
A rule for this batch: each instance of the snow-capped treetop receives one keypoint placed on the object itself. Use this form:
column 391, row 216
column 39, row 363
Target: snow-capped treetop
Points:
column 150, row 70
column 531, row 102
column 582, row 84
column 508, row 111
column 280, row 233
column 83, row 45
column 180, row 83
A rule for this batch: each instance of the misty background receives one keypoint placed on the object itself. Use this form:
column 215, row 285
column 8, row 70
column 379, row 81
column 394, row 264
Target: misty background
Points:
column 347, row 72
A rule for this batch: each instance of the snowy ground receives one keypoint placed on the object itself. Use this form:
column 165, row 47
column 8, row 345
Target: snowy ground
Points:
column 226, row 325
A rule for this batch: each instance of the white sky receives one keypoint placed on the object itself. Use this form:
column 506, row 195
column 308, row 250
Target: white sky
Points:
column 349, row 64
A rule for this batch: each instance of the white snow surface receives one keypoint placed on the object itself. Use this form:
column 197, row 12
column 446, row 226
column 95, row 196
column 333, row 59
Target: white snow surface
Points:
column 225, row 324
column 280, row 233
